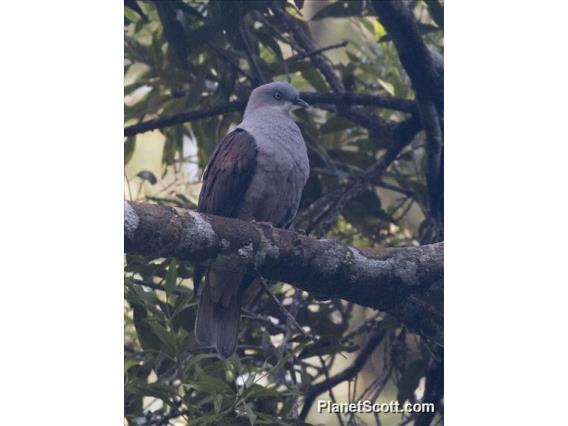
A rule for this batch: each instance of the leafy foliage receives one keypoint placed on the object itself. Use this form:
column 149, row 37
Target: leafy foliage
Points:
column 185, row 56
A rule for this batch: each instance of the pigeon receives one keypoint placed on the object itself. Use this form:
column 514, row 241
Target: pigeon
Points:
column 256, row 173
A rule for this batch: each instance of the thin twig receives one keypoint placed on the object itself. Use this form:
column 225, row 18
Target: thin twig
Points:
column 287, row 314
column 307, row 44
column 172, row 120
column 351, row 98
column 253, row 63
column 365, row 326
column 401, row 138
column 230, row 61
column 379, row 101
column 346, row 374
column 153, row 286
column 330, row 390
column 300, row 56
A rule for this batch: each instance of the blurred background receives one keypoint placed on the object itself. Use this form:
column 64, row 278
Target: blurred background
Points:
column 189, row 67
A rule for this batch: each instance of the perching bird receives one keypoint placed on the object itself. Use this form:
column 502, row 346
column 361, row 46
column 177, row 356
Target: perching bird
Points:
column 257, row 172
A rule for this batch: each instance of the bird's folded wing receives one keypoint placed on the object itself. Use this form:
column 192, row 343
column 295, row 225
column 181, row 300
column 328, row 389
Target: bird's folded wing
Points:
column 228, row 174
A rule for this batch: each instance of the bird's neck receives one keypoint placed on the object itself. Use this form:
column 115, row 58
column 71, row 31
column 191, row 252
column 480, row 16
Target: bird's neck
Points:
column 271, row 124
column 252, row 112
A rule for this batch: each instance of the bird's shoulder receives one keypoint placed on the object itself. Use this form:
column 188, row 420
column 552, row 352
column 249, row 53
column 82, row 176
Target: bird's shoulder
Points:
column 228, row 174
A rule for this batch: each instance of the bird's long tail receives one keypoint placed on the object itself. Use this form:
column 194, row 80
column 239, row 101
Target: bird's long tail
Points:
column 219, row 312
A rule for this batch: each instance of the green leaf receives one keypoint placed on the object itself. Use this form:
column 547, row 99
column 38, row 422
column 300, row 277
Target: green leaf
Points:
column 171, row 278
column 205, row 34
column 267, row 419
column 423, row 28
column 280, row 364
column 209, row 419
column 129, row 88
column 313, row 77
column 173, row 145
column 147, row 176
column 129, row 147
column 267, row 40
column 410, row 378
column 365, row 212
column 336, row 124
column 387, row 86
column 218, row 403
column 157, row 390
column 257, row 391
column 250, row 414
column 129, row 13
column 328, row 344
column 185, row 317
column 146, row 335
column 195, row 359
column 130, row 363
column 210, row 384
column 168, row 340
column 436, row 12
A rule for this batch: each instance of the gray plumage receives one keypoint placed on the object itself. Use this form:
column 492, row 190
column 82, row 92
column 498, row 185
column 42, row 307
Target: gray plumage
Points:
column 257, row 172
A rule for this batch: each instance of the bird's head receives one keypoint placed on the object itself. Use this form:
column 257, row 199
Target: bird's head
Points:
column 278, row 95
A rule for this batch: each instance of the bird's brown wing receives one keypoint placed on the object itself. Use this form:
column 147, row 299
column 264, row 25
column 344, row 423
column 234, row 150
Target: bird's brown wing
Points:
column 228, row 174
column 225, row 183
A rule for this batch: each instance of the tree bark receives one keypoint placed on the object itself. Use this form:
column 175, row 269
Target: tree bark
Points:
column 389, row 279
column 425, row 68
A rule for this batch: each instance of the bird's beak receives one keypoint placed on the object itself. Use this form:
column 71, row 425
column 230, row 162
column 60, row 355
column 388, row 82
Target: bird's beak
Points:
column 300, row 102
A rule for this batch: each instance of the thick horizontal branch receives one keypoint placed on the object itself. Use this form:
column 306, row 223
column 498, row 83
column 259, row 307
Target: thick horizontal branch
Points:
column 313, row 98
column 382, row 279
column 349, row 98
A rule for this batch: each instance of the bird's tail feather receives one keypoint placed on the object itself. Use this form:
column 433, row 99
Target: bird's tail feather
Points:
column 217, row 325
column 204, row 329
column 227, row 322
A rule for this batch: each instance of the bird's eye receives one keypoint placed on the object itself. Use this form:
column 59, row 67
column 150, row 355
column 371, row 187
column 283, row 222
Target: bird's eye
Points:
column 277, row 95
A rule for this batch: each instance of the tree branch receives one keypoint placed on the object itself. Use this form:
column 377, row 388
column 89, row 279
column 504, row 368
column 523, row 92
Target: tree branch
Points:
column 252, row 59
column 381, row 278
column 347, row 98
column 302, row 36
column 314, row 98
column 317, row 51
column 422, row 66
column 426, row 71
column 431, row 122
column 347, row 374
column 184, row 117
column 401, row 136
column 305, row 41
column 231, row 61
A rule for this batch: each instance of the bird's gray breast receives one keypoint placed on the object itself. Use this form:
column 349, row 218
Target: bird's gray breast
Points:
column 282, row 169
